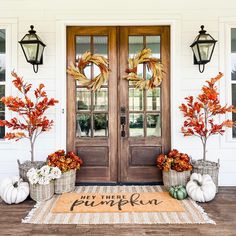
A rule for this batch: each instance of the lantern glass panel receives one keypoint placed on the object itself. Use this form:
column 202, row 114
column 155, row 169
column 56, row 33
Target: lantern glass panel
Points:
column 196, row 53
column 205, row 37
column 40, row 53
column 205, row 50
column 30, row 50
column 29, row 37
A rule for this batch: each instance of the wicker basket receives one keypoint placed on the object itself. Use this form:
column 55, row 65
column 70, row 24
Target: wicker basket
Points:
column 173, row 178
column 66, row 183
column 27, row 165
column 39, row 192
column 207, row 167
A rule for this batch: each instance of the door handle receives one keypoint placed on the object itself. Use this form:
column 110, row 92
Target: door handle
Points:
column 122, row 122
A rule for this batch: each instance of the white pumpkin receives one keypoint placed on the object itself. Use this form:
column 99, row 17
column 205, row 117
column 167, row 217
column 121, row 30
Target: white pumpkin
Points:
column 201, row 188
column 13, row 190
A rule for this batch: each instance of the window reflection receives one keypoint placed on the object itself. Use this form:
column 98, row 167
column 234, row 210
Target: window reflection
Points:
column 83, row 125
column 136, row 125
column 153, row 125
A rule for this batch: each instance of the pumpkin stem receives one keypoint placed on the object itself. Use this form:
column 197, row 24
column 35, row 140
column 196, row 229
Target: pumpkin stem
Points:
column 16, row 184
column 197, row 182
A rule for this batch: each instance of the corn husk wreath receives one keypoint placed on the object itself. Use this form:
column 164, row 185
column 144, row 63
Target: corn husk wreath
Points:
column 153, row 64
column 78, row 71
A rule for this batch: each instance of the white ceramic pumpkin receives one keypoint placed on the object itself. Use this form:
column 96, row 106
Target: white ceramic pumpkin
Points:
column 13, row 190
column 201, row 188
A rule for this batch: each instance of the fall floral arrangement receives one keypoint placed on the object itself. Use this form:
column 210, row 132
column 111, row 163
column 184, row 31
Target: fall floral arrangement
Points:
column 175, row 160
column 63, row 161
column 44, row 175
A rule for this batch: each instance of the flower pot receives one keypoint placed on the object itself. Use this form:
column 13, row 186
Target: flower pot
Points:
column 207, row 167
column 27, row 165
column 66, row 183
column 40, row 192
column 173, row 178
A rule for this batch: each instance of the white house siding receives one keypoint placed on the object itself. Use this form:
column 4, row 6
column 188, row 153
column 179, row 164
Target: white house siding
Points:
column 186, row 17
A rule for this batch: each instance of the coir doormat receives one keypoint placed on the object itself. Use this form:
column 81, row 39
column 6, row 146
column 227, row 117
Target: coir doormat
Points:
column 137, row 207
column 116, row 202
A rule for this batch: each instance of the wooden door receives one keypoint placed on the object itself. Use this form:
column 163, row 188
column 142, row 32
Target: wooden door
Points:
column 94, row 119
column 148, row 111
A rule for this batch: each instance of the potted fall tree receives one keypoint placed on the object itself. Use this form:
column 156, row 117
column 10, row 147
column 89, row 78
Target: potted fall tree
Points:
column 202, row 120
column 31, row 120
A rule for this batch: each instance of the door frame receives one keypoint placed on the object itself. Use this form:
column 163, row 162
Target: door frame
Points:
column 61, row 74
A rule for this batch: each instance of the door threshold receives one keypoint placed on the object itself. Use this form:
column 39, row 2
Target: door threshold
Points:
column 117, row 184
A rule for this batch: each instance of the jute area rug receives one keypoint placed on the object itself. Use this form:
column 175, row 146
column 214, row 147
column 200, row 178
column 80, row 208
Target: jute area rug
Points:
column 117, row 205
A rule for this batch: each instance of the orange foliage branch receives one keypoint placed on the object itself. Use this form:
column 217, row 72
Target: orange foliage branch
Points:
column 33, row 121
column 200, row 113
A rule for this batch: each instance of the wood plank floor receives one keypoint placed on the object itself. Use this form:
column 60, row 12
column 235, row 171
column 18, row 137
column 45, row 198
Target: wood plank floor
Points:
column 222, row 210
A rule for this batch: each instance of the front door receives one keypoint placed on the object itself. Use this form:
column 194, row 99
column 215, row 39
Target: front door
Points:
column 114, row 152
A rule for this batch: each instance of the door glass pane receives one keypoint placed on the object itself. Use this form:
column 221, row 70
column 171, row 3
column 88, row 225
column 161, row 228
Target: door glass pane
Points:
column 153, row 99
column 82, row 45
column 101, row 100
column 83, row 99
column 135, row 45
column 83, row 125
column 2, row 94
column 100, row 45
column 136, row 125
column 153, row 42
column 100, row 125
column 135, row 99
column 2, row 55
column 233, row 54
column 2, row 128
column 153, row 125
column 234, row 104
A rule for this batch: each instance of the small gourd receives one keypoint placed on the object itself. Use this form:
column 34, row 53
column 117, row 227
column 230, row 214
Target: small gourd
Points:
column 201, row 188
column 13, row 190
column 178, row 192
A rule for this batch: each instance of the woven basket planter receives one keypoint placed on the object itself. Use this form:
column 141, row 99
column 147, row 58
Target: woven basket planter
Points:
column 25, row 166
column 173, row 178
column 40, row 192
column 66, row 183
column 207, row 167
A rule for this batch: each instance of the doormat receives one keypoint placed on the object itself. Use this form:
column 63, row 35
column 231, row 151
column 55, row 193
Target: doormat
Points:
column 188, row 211
column 116, row 202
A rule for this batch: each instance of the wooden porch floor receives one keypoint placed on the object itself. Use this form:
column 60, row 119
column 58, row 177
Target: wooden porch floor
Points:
column 222, row 210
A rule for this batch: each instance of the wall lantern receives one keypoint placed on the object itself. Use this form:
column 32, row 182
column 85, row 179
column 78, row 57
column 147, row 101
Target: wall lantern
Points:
column 203, row 47
column 33, row 47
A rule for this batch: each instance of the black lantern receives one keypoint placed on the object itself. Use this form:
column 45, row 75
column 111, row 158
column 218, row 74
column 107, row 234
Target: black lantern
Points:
column 33, row 47
column 203, row 47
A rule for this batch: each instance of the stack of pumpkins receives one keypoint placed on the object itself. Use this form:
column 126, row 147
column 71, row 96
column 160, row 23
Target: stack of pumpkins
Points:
column 200, row 188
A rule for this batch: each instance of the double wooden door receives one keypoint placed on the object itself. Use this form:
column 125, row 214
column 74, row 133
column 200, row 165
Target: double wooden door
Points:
column 118, row 131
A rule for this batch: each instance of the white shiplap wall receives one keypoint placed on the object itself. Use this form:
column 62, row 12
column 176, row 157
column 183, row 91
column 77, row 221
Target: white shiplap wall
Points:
column 185, row 17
